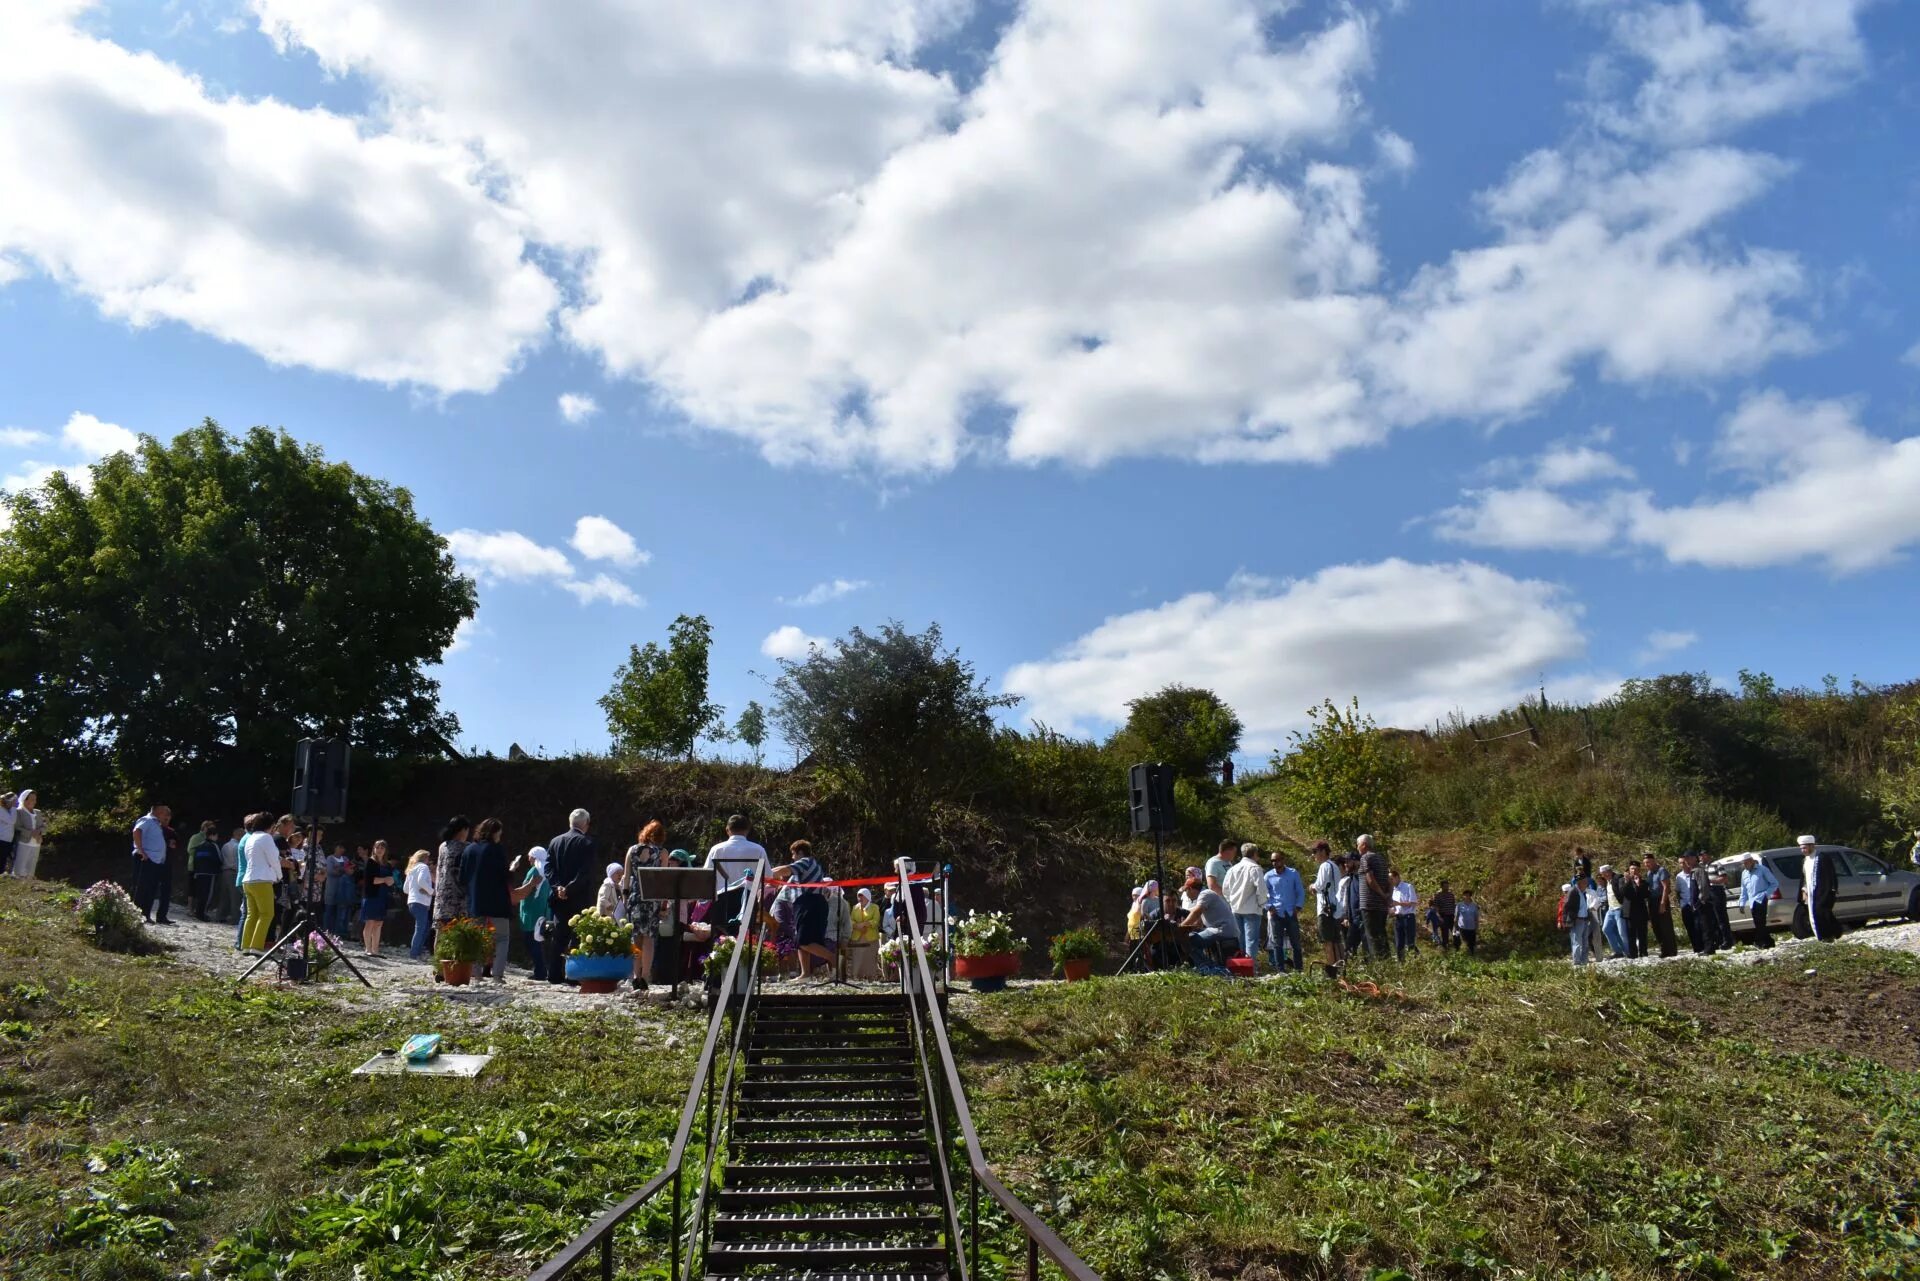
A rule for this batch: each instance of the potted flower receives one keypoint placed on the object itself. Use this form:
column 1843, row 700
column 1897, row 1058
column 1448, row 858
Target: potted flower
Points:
column 462, row 944
column 986, row 950
column 602, row 955
column 1075, row 951
column 895, row 954
column 722, row 955
column 110, row 918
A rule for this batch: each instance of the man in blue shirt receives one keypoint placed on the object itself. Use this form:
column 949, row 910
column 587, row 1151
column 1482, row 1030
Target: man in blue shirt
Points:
column 1286, row 895
column 1758, row 885
column 1575, row 911
column 152, row 874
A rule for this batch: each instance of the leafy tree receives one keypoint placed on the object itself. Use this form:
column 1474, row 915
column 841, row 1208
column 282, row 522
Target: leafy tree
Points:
column 1898, row 787
column 210, row 601
column 658, row 704
column 892, row 720
column 1344, row 776
column 1191, row 729
column 751, row 728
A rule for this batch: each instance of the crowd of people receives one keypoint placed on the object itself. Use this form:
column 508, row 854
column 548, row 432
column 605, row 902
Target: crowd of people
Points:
column 1247, row 901
column 272, row 870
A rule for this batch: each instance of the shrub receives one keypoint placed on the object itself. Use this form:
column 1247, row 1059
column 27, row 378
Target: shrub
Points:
column 722, row 956
column 465, row 941
column 893, row 954
column 986, row 934
column 597, row 935
column 111, row 920
column 1084, row 944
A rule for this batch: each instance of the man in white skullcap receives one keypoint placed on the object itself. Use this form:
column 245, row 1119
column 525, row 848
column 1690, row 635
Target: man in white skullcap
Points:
column 1819, row 887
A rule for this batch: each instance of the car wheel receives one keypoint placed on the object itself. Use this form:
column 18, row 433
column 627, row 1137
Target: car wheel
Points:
column 1913, row 905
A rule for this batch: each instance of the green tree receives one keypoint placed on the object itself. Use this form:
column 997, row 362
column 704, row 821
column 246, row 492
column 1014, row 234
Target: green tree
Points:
column 1344, row 776
column 206, row 603
column 1191, row 729
column 1898, row 786
column 893, row 721
column 658, row 704
column 751, row 728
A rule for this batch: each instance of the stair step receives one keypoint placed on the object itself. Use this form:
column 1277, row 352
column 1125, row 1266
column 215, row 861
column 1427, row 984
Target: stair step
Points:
column 920, row 1193
column 841, row 1055
column 811, row 1275
column 843, row 1086
column 816, row 1001
column 776, row 1147
column 828, row 1073
column 878, row 1105
column 728, row 1257
column 760, row 1172
column 750, row 1127
column 736, row 1223
column 781, row 1021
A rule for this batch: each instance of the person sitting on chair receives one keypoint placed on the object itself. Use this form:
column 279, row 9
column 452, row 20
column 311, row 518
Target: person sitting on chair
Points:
column 1213, row 933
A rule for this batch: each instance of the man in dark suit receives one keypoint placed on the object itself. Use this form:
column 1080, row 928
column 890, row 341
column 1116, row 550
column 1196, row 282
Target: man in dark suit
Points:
column 1819, row 887
column 573, row 868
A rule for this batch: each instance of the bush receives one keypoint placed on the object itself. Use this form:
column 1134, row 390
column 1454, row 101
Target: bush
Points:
column 465, row 941
column 986, row 934
column 111, row 920
column 1084, row 944
column 597, row 935
column 722, row 955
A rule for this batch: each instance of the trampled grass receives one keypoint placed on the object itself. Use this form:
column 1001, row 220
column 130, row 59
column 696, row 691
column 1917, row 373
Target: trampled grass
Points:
column 1513, row 1120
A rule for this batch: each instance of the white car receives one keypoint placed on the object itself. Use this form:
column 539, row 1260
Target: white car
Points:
column 1868, row 889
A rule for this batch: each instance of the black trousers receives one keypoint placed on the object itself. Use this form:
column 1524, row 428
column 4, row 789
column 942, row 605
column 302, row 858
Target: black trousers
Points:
column 559, row 943
column 1636, row 936
column 202, row 891
column 1697, row 938
column 1825, row 926
column 1762, row 936
column 6, row 857
column 1721, row 921
column 1376, row 919
column 1663, row 930
column 1471, row 938
column 153, row 889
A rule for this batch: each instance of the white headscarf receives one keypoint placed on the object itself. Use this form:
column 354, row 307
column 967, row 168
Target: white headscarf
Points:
column 613, row 870
column 539, row 856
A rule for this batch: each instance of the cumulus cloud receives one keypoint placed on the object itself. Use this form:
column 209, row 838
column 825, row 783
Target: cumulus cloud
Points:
column 508, row 556
column 602, row 587
column 597, row 538
column 302, row 234
column 1912, row 356
column 577, row 407
column 790, row 642
column 1413, row 642
column 1813, row 485
column 83, row 438
column 821, row 593
column 21, row 437
column 1665, row 644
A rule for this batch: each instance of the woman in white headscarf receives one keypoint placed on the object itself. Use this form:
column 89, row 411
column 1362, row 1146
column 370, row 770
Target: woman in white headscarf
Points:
column 612, row 903
column 28, row 823
column 533, row 901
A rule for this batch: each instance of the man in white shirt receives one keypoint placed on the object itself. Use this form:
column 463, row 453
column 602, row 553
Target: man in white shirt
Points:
column 1245, row 890
column 1819, row 889
column 1326, row 907
column 734, row 862
column 152, row 881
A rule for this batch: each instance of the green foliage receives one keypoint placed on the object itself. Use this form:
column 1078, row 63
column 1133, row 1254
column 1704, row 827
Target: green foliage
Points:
column 722, row 956
column 1344, row 776
column 658, row 704
column 893, row 721
column 1897, row 786
column 1191, row 729
column 597, row 935
column 986, row 934
column 111, row 920
column 1084, row 944
column 751, row 728
column 463, row 941
column 209, row 601
column 1077, row 787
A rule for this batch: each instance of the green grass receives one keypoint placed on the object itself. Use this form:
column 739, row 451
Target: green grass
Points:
column 1511, row 1120
column 155, row 1123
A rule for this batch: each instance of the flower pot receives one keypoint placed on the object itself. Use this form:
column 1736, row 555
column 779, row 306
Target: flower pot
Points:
column 999, row 965
column 296, row 969
column 600, row 974
column 457, row 973
column 1077, row 971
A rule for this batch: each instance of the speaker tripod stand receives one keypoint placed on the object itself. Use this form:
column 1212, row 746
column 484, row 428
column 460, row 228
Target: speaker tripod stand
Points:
column 1153, row 932
column 305, row 926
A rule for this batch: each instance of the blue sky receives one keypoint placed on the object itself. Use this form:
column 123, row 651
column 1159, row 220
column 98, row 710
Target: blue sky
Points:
column 1417, row 351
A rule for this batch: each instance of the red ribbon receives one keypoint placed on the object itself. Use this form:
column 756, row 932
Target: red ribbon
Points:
column 916, row 879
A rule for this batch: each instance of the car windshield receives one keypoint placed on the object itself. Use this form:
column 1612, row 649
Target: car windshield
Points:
column 1785, row 868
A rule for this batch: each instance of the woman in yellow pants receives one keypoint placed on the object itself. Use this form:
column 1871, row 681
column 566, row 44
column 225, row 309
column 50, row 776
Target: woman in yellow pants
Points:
column 261, row 855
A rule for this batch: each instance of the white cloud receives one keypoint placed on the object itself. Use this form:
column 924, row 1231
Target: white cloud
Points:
column 821, row 593
column 603, row 587
column 1818, row 486
column 83, row 437
column 577, row 407
column 465, row 633
column 507, row 556
column 85, row 434
column 1396, row 153
column 791, row 642
column 1565, row 465
column 1413, row 642
column 1704, row 78
column 1664, row 644
column 1912, row 356
column 312, row 238
column 21, row 437
column 597, row 538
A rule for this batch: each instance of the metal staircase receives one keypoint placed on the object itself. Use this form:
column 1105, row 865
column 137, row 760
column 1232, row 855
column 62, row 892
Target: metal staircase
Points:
column 821, row 1140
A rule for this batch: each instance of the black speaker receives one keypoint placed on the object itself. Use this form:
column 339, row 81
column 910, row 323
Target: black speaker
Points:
column 320, row 779
column 1150, row 797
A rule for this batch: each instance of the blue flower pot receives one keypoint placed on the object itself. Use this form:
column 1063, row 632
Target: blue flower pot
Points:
column 599, row 973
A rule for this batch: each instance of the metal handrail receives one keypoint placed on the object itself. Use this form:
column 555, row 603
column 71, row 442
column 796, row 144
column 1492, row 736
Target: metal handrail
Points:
column 1041, row 1239
column 600, row 1232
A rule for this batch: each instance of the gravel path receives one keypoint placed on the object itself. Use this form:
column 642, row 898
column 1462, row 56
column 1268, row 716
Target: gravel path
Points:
column 1894, row 937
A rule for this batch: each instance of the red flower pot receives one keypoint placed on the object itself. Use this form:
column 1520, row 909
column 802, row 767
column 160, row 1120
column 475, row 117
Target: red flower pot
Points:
column 1076, row 971
column 457, row 973
column 999, row 965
